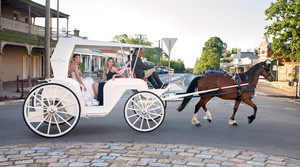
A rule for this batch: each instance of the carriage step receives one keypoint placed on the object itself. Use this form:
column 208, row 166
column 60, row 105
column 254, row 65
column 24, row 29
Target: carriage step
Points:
column 95, row 115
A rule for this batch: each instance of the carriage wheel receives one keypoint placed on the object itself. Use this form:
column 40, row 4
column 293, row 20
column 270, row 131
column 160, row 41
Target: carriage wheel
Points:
column 155, row 117
column 144, row 111
column 51, row 110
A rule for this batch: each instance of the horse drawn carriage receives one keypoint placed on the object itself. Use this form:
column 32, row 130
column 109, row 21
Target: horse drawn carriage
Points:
column 53, row 109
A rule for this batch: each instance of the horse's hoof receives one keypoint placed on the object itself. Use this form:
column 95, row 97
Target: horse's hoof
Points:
column 250, row 119
column 198, row 124
column 235, row 124
column 209, row 120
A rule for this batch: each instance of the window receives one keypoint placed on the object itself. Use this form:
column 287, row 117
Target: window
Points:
column 26, row 20
column 16, row 16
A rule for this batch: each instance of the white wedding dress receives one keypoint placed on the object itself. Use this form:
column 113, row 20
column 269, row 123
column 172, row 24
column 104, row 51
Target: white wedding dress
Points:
column 89, row 93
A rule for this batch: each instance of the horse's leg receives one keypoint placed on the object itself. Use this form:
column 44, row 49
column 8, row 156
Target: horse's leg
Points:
column 194, row 119
column 250, row 103
column 200, row 104
column 208, row 116
column 235, row 108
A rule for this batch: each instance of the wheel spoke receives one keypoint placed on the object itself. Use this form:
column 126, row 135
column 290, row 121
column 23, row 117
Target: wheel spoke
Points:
column 57, row 123
column 141, row 100
column 49, row 125
column 156, row 114
column 35, row 116
column 40, row 101
column 153, row 120
column 64, row 106
column 141, row 126
column 35, row 107
column 74, row 115
column 54, row 96
column 154, row 108
column 62, row 99
column 42, row 122
column 137, row 105
column 151, row 103
column 136, row 120
column 133, row 109
column 64, row 120
column 132, row 115
column 148, row 124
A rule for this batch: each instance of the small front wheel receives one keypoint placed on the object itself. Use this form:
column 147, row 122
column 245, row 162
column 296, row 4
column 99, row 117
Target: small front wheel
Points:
column 144, row 111
column 51, row 110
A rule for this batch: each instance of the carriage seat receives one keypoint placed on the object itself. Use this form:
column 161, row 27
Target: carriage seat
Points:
column 134, row 76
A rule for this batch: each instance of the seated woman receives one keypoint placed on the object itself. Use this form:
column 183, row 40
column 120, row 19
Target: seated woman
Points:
column 85, row 82
column 110, row 72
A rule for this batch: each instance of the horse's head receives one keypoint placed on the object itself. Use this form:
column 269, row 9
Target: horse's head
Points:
column 265, row 71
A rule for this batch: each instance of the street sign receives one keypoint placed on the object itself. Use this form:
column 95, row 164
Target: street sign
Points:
column 169, row 42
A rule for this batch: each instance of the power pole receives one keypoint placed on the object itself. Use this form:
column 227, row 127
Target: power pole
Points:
column 57, row 35
column 47, row 40
column 140, row 35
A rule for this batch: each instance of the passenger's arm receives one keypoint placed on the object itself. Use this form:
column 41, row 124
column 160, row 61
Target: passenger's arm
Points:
column 115, row 70
column 79, row 78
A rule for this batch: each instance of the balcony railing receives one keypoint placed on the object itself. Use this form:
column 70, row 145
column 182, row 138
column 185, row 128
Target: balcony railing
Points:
column 24, row 27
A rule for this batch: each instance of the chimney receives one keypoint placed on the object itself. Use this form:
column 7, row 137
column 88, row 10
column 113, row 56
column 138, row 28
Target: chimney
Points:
column 76, row 32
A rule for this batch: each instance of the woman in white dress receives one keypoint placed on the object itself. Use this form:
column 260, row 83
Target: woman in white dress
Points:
column 85, row 82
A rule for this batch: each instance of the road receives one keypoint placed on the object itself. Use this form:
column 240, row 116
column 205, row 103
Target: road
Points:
column 275, row 131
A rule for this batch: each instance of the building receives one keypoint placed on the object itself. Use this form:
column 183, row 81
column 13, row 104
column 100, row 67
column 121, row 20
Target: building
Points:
column 280, row 69
column 21, row 41
column 240, row 62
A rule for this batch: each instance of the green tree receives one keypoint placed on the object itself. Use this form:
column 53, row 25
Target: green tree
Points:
column 121, row 38
column 211, row 54
column 284, row 29
column 197, row 68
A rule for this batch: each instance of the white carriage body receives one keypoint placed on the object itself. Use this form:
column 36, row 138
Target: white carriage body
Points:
column 113, row 90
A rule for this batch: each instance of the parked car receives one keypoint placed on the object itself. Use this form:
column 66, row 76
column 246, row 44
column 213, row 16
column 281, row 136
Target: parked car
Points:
column 214, row 70
column 162, row 70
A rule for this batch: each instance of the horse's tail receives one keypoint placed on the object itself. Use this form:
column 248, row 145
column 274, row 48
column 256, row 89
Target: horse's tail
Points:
column 190, row 89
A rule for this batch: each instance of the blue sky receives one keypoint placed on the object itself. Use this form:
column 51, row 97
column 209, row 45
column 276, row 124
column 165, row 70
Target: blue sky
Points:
column 237, row 22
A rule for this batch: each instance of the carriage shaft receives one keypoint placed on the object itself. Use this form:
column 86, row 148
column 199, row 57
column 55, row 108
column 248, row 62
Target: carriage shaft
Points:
column 201, row 92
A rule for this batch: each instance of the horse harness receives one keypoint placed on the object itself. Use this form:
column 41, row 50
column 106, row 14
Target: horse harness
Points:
column 237, row 80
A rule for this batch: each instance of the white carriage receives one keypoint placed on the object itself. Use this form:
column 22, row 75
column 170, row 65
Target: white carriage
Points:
column 53, row 109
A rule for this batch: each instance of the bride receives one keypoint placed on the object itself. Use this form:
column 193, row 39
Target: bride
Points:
column 85, row 82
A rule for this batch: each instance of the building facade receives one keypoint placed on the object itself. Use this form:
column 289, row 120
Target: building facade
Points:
column 21, row 41
column 281, row 70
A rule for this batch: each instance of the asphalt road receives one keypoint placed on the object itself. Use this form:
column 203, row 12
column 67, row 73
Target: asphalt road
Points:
column 276, row 130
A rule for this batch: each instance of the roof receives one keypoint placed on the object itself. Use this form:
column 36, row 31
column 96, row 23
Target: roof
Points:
column 250, row 55
column 88, row 51
column 66, row 46
column 37, row 10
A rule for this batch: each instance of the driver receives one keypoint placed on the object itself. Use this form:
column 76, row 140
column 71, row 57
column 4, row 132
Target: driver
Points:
column 144, row 71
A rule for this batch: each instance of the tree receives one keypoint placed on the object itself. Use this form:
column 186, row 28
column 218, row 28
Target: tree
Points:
column 284, row 30
column 121, row 38
column 211, row 54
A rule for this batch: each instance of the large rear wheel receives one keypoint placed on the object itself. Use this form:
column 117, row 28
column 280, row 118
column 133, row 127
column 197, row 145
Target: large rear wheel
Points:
column 51, row 110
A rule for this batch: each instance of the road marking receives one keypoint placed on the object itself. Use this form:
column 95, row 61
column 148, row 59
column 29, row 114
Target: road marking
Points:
column 295, row 109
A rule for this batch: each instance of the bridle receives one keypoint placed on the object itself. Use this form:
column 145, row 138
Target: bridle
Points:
column 267, row 69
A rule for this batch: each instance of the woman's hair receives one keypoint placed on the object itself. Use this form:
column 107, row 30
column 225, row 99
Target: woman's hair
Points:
column 106, row 65
column 76, row 55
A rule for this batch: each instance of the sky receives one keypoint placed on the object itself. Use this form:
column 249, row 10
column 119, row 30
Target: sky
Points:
column 238, row 23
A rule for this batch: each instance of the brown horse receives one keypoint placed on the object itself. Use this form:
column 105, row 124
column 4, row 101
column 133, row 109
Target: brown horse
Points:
column 239, row 93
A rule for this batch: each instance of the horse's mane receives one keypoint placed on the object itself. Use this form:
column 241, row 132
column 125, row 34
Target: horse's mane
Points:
column 250, row 74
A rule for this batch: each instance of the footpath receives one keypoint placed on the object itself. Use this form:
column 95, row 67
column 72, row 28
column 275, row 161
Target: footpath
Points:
column 139, row 154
